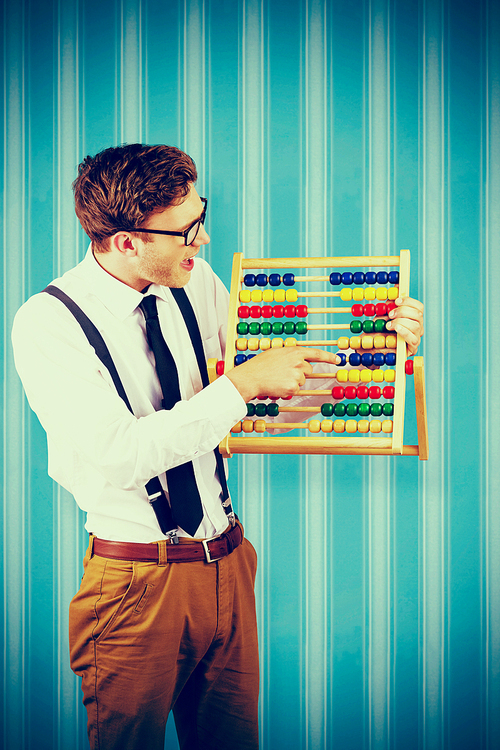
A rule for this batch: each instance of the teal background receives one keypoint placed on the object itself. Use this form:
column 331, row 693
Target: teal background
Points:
column 318, row 127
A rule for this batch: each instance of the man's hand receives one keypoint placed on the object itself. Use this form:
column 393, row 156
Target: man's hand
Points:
column 407, row 319
column 277, row 373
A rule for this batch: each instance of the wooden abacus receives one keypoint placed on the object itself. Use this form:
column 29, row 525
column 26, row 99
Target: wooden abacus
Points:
column 251, row 289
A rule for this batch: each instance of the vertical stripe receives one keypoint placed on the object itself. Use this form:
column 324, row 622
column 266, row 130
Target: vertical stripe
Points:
column 193, row 92
column 131, row 120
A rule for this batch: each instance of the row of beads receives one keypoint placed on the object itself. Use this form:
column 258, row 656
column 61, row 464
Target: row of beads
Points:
column 367, row 342
column 362, row 392
column 278, row 311
column 325, row 425
column 327, row 410
column 370, row 310
column 365, row 376
column 266, row 329
column 336, row 278
column 291, row 295
column 269, row 295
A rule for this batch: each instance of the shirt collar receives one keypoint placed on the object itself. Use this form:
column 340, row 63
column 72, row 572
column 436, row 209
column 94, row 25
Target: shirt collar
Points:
column 119, row 298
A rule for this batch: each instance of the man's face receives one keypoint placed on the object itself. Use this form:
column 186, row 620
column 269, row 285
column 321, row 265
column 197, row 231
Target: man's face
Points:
column 167, row 260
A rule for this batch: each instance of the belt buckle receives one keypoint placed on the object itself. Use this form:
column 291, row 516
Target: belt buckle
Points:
column 208, row 554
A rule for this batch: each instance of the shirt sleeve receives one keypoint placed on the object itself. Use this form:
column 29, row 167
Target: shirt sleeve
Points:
column 76, row 402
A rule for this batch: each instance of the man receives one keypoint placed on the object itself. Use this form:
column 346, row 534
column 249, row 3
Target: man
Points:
column 157, row 622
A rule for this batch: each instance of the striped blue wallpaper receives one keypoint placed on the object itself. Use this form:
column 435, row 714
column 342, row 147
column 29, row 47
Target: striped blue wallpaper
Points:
column 318, row 127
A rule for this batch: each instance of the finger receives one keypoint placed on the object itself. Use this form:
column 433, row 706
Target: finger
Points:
column 405, row 311
column 400, row 323
column 411, row 337
column 415, row 303
column 319, row 355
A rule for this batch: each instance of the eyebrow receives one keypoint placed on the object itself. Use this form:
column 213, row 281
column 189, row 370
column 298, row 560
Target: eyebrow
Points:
column 191, row 222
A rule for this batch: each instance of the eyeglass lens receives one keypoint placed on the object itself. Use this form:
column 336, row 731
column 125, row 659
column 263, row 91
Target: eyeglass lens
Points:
column 193, row 232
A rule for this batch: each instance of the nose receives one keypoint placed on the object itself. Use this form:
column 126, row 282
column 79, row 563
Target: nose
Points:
column 202, row 238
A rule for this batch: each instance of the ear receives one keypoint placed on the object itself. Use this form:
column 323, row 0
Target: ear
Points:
column 125, row 244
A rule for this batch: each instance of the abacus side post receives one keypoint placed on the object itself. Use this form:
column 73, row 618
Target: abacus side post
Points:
column 421, row 408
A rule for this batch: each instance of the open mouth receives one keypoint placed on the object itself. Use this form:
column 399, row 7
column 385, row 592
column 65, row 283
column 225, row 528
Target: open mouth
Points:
column 188, row 264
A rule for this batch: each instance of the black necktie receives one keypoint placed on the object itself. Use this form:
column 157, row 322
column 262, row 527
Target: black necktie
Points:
column 184, row 496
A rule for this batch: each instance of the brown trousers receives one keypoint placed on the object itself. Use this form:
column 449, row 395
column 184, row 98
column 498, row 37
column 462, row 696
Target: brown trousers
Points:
column 147, row 638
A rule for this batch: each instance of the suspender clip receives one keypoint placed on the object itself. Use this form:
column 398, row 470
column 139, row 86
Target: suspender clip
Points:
column 172, row 535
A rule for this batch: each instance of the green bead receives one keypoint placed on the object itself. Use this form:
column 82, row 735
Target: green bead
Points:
column 289, row 327
column 388, row 410
column 379, row 326
column 250, row 410
column 376, row 410
column 327, row 410
column 352, row 410
column 339, row 410
column 260, row 410
column 356, row 326
column 301, row 327
column 266, row 328
column 277, row 328
column 242, row 329
column 364, row 410
column 273, row 410
column 368, row 326
column 254, row 329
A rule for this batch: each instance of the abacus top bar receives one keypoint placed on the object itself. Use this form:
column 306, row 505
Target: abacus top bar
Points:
column 345, row 262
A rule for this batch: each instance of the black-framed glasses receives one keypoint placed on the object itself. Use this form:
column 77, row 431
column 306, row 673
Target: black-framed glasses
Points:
column 189, row 234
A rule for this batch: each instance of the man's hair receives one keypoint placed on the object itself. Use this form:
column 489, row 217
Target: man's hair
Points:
column 122, row 186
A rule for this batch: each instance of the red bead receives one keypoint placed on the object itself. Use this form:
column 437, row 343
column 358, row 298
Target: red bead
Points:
column 357, row 311
column 278, row 311
column 219, row 367
column 388, row 391
column 338, row 392
column 286, row 398
column 267, row 311
column 369, row 310
column 290, row 311
column 381, row 308
column 243, row 312
column 362, row 391
column 390, row 306
column 255, row 311
column 374, row 391
column 409, row 367
column 350, row 391
column 301, row 311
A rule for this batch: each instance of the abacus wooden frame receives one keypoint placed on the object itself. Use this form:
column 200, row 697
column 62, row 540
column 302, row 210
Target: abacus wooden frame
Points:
column 281, row 444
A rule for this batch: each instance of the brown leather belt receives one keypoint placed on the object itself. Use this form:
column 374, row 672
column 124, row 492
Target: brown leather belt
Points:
column 210, row 550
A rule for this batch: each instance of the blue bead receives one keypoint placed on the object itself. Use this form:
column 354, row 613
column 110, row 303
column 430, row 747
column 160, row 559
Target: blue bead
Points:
column 335, row 278
column 343, row 358
column 347, row 277
column 394, row 277
column 249, row 279
column 355, row 359
column 288, row 279
column 239, row 359
column 378, row 359
column 390, row 359
column 382, row 277
column 371, row 277
column 359, row 277
column 367, row 359
column 274, row 279
column 250, row 356
column 261, row 279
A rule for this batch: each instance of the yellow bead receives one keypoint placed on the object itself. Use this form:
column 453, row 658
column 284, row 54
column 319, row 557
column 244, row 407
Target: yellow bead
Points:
column 381, row 292
column 253, row 345
column 245, row 295
column 391, row 342
column 379, row 342
column 393, row 292
column 355, row 342
column 351, row 425
column 314, row 425
column 290, row 342
column 375, row 425
column 257, row 295
column 279, row 295
column 326, row 425
column 247, row 425
column 292, row 295
column 267, row 295
column 366, row 376
column 242, row 345
column 236, row 428
column 342, row 376
column 358, row 294
column 353, row 376
column 363, row 425
column 343, row 342
column 265, row 344
column 367, row 342
column 378, row 376
column 387, row 425
column 259, row 425
column 339, row 425
column 370, row 293
column 389, row 376
column 346, row 294
column 276, row 343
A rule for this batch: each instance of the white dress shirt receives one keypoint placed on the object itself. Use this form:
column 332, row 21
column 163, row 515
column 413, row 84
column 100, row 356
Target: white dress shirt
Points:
column 97, row 449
